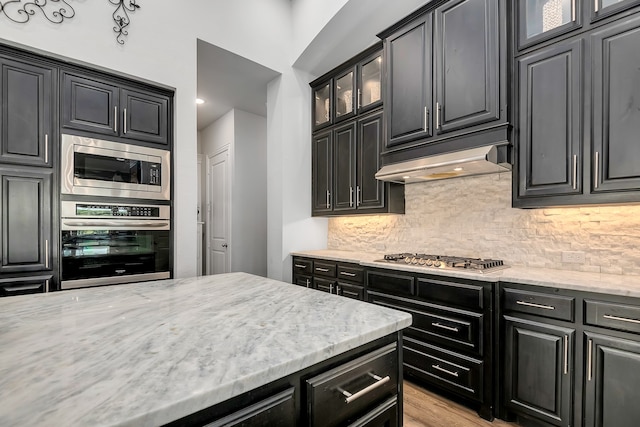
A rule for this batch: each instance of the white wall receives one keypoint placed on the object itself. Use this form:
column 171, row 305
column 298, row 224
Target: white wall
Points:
column 249, row 195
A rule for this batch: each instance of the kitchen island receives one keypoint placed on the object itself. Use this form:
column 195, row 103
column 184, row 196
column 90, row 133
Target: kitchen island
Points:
column 155, row 352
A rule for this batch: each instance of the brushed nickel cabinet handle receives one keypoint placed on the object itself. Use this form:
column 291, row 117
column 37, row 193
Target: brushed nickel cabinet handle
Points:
column 46, row 253
column 445, row 327
column 358, row 196
column 46, row 148
column 446, row 371
column 324, row 270
column 575, row 171
column 328, row 206
column 622, row 319
column 597, row 170
column 351, row 197
column 589, row 357
column 596, row 6
column 566, row 354
column 125, row 121
column 350, row 397
column 573, row 10
column 46, row 285
column 531, row 304
column 345, row 273
column 115, row 119
column 359, row 99
column 338, row 290
column 308, row 283
column 331, row 288
column 426, row 119
column 300, row 266
column 438, row 110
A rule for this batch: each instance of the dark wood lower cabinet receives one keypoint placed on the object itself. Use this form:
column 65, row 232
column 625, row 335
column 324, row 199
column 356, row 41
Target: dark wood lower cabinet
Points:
column 538, row 377
column 25, row 285
column 385, row 415
column 612, row 392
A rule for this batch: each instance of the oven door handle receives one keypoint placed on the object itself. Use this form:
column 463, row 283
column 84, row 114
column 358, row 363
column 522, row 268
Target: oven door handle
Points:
column 130, row 224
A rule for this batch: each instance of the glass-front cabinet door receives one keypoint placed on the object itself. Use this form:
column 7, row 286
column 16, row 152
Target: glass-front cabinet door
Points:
column 370, row 82
column 345, row 95
column 322, row 105
column 540, row 20
column 603, row 8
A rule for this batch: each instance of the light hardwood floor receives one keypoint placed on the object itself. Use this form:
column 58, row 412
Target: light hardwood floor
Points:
column 425, row 409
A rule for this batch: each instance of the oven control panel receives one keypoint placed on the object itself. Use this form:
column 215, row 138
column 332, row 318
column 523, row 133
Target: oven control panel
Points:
column 92, row 210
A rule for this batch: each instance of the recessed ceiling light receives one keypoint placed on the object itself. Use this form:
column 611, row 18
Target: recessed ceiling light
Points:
column 406, row 177
column 199, row 101
column 457, row 169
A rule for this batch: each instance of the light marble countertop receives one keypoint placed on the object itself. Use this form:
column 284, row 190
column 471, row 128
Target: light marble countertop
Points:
column 149, row 353
column 615, row 284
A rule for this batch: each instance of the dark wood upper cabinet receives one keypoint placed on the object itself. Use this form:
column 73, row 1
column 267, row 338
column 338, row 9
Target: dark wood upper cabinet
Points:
column 26, row 232
column 27, row 120
column 344, row 161
column 90, row 105
column 409, row 93
column 467, row 69
column 345, row 95
column 322, row 172
column 370, row 192
column 540, row 20
column 550, row 121
column 612, row 374
column 539, row 370
column 616, row 107
column 601, row 9
column 369, row 72
column 145, row 116
column 322, row 104
column 100, row 106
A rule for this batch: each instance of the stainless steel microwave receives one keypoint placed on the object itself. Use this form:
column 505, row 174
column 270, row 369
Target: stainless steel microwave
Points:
column 96, row 167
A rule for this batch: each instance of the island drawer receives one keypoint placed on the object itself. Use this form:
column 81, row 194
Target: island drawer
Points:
column 540, row 304
column 323, row 268
column 622, row 317
column 302, row 266
column 352, row 273
column 342, row 394
column 451, row 371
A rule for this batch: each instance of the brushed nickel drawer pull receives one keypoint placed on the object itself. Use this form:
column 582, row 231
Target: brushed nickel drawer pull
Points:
column 438, row 110
column 575, row 171
column 350, row 197
column 46, row 285
column 308, row 283
column 344, row 273
column 350, row 397
column 46, row 253
column 596, row 6
column 359, row 99
column 125, row 120
column 589, row 351
column 441, row 326
column 426, row 119
column 596, row 178
column 337, row 289
column 300, row 266
column 573, row 10
column 331, row 288
column 531, row 304
column 358, row 196
column 46, row 148
column 566, row 354
column 446, row 371
column 324, row 270
column 115, row 119
column 622, row 319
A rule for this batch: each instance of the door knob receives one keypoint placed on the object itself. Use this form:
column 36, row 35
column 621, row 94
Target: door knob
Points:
column 224, row 245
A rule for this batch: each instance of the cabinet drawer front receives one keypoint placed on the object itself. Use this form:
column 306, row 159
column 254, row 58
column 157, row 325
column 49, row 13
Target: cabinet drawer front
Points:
column 545, row 305
column 324, row 285
column 455, row 329
column 304, row 281
column 451, row 294
column 23, row 286
column 351, row 291
column 395, row 284
column 302, row 266
column 456, row 373
column 326, row 269
column 613, row 316
column 351, row 273
column 341, row 394
column 277, row 411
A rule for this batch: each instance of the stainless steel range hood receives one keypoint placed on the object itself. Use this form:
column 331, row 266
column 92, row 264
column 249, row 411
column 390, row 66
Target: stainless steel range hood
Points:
column 475, row 161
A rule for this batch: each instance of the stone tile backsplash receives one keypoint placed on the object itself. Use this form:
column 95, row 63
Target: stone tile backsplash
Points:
column 473, row 217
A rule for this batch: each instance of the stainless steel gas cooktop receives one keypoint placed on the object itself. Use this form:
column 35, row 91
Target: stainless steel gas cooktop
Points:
column 476, row 265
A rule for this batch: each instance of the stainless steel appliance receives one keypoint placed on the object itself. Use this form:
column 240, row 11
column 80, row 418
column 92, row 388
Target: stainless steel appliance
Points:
column 112, row 243
column 104, row 168
column 476, row 265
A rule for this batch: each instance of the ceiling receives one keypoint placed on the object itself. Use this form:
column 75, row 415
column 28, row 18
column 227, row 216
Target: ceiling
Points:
column 227, row 81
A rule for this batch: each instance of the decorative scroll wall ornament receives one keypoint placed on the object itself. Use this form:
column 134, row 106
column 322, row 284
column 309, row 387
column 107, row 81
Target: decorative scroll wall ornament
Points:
column 55, row 11
column 121, row 17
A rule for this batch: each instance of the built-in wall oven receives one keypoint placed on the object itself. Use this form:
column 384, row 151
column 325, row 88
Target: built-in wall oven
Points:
column 96, row 167
column 107, row 243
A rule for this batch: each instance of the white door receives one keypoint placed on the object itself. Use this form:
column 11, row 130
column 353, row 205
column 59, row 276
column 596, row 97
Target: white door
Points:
column 218, row 208
column 200, row 239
